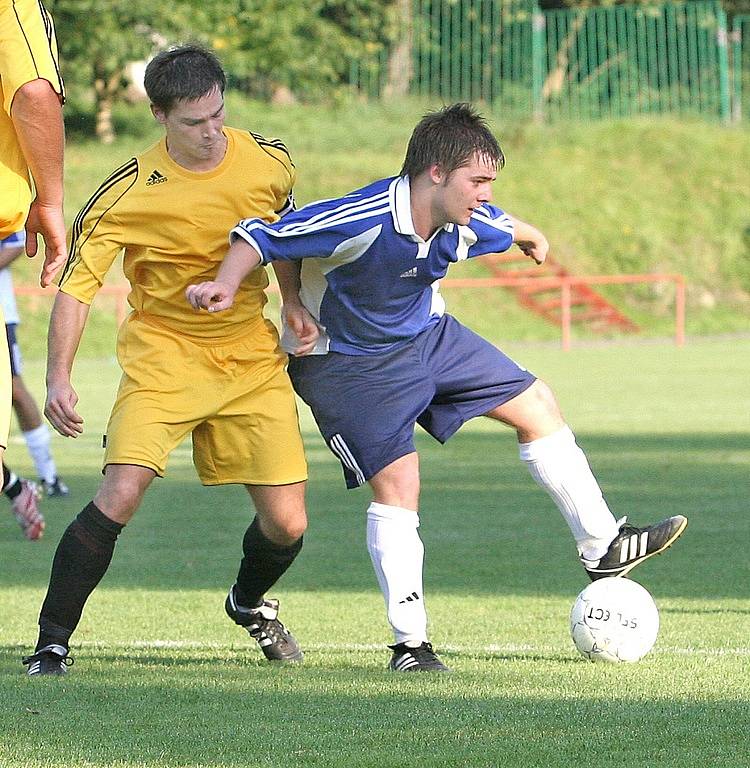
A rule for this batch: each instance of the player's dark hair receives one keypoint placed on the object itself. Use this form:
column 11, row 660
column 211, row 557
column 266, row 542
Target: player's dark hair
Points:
column 185, row 73
column 449, row 138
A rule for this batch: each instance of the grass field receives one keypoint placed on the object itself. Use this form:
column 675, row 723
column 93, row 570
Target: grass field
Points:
column 162, row 679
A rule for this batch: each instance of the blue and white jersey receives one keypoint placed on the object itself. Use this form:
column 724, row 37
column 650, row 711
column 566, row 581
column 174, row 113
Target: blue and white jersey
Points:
column 368, row 279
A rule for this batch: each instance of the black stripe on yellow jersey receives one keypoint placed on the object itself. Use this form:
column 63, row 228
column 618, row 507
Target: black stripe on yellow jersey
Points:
column 128, row 169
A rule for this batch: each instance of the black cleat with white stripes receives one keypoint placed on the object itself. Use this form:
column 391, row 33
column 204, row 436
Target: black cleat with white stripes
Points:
column 419, row 659
column 263, row 625
column 50, row 660
column 633, row 545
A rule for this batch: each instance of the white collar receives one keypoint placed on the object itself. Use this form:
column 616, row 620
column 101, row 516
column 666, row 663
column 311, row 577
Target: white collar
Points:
column 400, row 200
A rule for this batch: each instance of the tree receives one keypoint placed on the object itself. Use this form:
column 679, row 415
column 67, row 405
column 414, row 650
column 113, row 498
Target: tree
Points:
column 273, row 47
column 99, row 38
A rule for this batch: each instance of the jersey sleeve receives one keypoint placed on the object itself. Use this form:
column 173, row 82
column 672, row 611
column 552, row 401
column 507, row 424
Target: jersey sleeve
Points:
column 318, row 230
column 28, row 48
column 96, row 237
column 493, row 229
column 284, row 190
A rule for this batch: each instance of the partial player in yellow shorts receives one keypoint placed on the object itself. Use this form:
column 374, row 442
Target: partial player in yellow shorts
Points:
column 219, row 378
column 235, row 399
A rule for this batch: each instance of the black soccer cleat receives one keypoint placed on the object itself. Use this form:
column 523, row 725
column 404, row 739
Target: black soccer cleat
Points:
column 419, row 659
column 633, row 545
column 50, row 660
column 262, row 624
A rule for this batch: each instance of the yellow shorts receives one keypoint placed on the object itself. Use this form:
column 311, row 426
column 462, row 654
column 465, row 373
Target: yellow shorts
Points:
column 234, row 396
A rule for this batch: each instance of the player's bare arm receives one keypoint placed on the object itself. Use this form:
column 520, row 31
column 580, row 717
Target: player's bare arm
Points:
column 37, row 118
column 530, row 240
column 296, row 317
column 217, row 295
column 67, row 321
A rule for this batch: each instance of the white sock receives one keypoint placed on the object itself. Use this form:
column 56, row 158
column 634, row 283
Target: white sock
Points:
column 560, row 467
column 37, row 442
column 397, row 554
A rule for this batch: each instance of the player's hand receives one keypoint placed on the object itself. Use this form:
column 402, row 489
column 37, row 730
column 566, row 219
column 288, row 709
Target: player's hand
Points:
column 535, row 249
column 303, row 325
column 47, row 221
column 212, row 296
column 60, row 409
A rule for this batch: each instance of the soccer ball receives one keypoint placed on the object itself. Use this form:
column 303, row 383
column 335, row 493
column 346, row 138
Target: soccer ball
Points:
column 614, row 619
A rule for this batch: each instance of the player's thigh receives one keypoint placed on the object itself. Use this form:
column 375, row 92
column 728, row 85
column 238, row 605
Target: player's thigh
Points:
column 254, row 437
column 534, row 413
column 365, row 406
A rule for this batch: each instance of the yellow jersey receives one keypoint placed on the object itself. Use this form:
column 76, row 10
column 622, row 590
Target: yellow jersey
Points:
column 28, row 51
column 173, row 226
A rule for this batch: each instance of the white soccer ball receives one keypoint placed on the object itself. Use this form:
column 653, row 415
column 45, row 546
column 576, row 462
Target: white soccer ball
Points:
column 614, row 619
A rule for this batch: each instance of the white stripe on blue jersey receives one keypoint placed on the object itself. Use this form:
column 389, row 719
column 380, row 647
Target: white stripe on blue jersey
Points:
column 502, row 222
column 343, row 211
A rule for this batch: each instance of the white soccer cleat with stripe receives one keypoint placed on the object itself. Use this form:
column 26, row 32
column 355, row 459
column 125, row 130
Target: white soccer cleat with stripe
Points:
column 633, row 545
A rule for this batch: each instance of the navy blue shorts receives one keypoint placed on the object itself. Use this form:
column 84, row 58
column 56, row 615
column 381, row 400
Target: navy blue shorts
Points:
column 366, row 406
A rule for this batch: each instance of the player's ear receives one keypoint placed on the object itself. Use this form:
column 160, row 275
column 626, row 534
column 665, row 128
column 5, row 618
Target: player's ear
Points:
column 159, row 114
column 436, row 173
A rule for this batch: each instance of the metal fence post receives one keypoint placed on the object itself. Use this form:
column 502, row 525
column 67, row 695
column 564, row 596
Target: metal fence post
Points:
column 740, row 24
column 722, row 52
column 538, row 57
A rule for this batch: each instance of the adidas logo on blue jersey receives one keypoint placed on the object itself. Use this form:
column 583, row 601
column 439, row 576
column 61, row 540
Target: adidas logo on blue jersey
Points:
column 155, row 178
column 409, row 273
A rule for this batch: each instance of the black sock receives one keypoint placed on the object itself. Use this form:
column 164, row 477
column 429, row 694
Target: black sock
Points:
column 262, row 566
column 82, row 558
column 11, row 483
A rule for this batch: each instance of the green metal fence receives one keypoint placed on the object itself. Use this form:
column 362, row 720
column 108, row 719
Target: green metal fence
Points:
column 741, row 67
column 600, row 62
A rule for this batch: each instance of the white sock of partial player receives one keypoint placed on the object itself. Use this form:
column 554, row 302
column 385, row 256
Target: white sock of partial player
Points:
column 560, row 467
column 397, row 554
column 37, row 442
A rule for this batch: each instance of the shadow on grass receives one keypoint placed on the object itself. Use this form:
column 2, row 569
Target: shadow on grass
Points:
column 487, row 527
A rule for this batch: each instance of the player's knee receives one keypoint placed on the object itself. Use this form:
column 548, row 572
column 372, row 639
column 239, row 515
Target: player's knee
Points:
column 286, row 532
column 295, row 528
column 120, row 495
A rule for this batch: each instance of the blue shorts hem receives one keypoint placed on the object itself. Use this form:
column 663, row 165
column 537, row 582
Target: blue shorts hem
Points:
column 451, row 430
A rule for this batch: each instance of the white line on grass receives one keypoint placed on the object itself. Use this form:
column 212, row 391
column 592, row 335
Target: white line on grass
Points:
column 367, row 647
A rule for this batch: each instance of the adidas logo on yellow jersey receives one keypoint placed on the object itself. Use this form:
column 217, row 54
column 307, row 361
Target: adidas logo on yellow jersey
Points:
column 155, row 178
